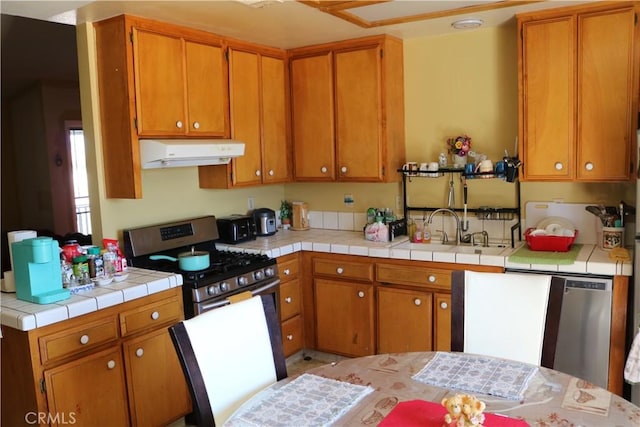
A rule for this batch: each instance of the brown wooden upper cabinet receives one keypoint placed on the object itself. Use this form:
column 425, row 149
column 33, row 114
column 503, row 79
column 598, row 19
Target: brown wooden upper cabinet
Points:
column 155, row 80
column 181, row 86
column 578, row 93
column 258, row 98
column 347, row 108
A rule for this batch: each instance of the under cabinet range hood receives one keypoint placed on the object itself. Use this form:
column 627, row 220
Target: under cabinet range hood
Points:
column 174, row 153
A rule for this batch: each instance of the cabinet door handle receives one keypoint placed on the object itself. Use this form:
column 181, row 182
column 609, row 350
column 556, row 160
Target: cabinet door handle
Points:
column 444, row 305
column 155, row 315
column 196, row 125
column 84, row 339
column 417, row 301
column 432, row 278
column 288, row 300
column 343, row 169
column 289, row 337
column 139, row 352
column 588, row 166
column 179, row 124
column 111, row 364
column 361, row 294
column 258, row 173
column 271, row 172
column 323, row 169
column 558, row 166
column 287, row 272
column 339, row 270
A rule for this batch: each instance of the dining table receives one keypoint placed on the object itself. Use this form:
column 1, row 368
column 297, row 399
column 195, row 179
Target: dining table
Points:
column 405, row 389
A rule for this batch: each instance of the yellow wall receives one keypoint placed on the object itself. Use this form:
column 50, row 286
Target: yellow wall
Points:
column 460, row 83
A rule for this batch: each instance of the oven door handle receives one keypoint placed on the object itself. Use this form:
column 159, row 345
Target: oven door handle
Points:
column 265, row 287
column 257, row 291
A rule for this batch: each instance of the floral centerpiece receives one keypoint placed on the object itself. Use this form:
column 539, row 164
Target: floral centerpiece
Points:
column 459, row 147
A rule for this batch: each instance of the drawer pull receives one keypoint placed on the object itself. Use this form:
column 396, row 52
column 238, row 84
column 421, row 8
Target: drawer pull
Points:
column 111, row 364
column 288, row 300
column 444, row 305
column 417, row 301
column 432, row 278
column 179, row 124
column 339, row 270
column 290, row 337
column 139, row 352
column 361, row 294
column 287, row 272
column 196, row 125
column 155, row 315
column 84, row 339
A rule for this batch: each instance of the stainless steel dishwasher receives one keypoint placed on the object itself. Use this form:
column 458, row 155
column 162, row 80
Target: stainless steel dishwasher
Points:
column 585, row 327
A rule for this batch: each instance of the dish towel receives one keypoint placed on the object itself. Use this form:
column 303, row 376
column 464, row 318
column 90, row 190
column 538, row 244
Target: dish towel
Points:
column 632, row 367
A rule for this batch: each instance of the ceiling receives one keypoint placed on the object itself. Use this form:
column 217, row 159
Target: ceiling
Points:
column 288, row 23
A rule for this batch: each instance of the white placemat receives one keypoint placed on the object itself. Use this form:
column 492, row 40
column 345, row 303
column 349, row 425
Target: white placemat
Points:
column 309, row 400
column 478, row 374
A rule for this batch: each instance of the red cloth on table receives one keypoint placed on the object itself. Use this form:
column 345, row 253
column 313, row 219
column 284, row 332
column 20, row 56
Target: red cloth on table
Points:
column 426, row 414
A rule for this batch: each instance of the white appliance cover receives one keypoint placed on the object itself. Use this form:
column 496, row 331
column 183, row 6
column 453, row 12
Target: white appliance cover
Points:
column 166, row 153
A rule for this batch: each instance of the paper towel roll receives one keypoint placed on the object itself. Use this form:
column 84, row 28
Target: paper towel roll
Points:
column 8, row 283
column 18, row 236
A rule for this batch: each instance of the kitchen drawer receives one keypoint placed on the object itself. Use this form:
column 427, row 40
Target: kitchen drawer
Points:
column 414, row 276
column 343, row 269
column 289, row 269
column 289, row 299
column 150, row 316
column 292, row 336
column 76, row 340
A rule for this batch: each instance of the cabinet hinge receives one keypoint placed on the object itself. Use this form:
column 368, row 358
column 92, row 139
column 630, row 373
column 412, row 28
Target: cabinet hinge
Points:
column 43, row 386
column 135, row 123
column 226, row 54
column 381, row 53
column 383, row 171
column 635, row 19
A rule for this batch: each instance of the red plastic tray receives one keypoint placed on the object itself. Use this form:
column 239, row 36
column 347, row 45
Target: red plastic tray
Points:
column 549, row 243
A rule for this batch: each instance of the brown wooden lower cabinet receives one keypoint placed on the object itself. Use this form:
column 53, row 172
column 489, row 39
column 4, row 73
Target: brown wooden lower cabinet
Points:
column 362, row 305
column 290, row 304
column 404, row 320
column 96, row 370
column 344, row 317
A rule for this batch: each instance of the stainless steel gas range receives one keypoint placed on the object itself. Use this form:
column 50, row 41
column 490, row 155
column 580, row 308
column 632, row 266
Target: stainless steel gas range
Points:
column 206, row 285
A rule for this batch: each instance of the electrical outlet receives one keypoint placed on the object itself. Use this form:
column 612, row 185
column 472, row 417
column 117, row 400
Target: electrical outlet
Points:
column 250, row 203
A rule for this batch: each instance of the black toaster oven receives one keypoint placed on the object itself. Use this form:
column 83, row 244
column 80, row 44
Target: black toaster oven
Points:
column 236, row 228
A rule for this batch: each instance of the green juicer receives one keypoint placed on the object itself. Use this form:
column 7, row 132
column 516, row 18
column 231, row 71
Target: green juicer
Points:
column 36, row 265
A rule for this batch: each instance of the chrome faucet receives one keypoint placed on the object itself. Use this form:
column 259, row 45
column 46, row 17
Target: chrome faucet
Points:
column 485, row 238
column 455, row 216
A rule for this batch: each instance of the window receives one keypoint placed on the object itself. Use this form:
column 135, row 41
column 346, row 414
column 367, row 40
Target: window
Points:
column 80, row 181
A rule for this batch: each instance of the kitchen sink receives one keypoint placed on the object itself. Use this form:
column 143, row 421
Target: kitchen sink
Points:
column 479, row 250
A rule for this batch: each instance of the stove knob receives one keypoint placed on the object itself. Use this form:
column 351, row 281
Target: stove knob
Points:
column 212, row 290
column 224, row 286
column 269, row 272
column 259, row 275
column 242, row 281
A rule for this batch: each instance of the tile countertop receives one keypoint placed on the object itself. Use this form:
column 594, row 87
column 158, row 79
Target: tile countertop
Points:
column 24, row 315
column 590, row 259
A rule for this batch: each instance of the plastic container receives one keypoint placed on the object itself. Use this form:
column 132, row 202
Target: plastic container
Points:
column 549, row 243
